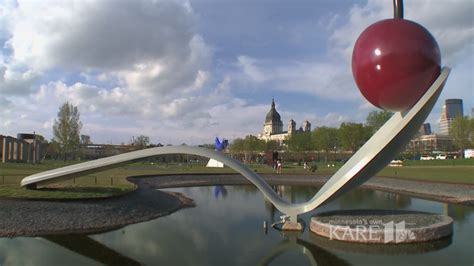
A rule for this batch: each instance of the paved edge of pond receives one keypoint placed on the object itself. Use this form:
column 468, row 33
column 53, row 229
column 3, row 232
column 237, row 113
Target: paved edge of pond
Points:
column 443, row 192
column 44, row 217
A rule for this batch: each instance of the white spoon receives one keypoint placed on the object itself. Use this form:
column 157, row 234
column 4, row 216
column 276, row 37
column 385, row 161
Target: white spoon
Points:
column 373, row 156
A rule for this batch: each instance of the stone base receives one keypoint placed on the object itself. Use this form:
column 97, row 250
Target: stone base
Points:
column 290, row 226
column 381, row 226
column 380, row 248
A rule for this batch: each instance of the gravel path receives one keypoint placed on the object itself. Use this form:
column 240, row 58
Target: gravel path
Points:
column 40, row 217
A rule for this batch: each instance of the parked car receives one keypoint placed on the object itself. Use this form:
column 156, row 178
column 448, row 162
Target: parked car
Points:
column 396, row 163
column 426, row 158
column 441, row 157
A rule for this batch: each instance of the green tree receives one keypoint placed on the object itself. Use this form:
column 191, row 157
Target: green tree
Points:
column 253, row 144
column 325, row 139
column 461, row 131
column 299, row 142
column 66, row 129
column 141, row 142
column 353, row 135
column 52, row 150
column 41, row 139
column 237, row 145
column 376, row 119
column 248, row 146
column 271, row 145
column 472, row 131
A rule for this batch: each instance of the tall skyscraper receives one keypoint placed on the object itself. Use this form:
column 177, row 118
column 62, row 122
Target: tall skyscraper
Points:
column 452, row 108
column 425, row 129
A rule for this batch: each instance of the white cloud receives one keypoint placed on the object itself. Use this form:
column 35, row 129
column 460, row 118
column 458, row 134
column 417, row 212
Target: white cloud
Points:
column 328, row 22
column 15, row 80
column 103, row 34
column 5, row 103
column 250, row 68
column 170, row 74
column 328, row 80
column 142, row 67
column 151, row 46
column 140, row 60
column 194, row 119
column 331, row 119
column 450, row 22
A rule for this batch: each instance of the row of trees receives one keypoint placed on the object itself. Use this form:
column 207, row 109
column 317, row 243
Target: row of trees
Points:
column 67, row 135
column 349, row 137
column 252, row 143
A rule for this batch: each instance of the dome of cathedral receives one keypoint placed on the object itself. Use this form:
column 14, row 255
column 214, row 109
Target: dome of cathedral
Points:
column 273, row 115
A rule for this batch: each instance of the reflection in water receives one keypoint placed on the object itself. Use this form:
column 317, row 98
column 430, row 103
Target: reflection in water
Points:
column 380, row 200
column 88, row 247
column 229, row 231
column 458, row 212
column 220, row 190
column 382, row 249
column 271, row 210
column 314, row 254
column 297, row 194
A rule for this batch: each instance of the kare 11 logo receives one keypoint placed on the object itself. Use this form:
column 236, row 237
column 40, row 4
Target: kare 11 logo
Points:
column 372, row 231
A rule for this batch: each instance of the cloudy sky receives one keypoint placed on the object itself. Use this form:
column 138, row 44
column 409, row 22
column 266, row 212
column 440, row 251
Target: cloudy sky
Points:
column 186, row 71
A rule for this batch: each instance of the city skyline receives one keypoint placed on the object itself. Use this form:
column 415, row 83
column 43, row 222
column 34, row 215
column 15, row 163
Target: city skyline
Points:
column 452, row 109
column 181, row 71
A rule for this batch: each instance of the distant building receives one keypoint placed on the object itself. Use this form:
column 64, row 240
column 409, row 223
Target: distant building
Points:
column 425, row 129
column 451, row 109
column 23, row 149
column 273, row 127
column 426, row 144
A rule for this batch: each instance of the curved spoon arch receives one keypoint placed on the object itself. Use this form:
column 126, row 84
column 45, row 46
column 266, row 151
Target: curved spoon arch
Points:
column 373, row 156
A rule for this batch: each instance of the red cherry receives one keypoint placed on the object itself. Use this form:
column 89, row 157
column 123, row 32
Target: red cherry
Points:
column 394, row 62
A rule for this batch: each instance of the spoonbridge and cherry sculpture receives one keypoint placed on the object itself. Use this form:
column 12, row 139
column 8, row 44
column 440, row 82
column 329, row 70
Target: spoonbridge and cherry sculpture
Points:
column 396, row 65
column 373, row 156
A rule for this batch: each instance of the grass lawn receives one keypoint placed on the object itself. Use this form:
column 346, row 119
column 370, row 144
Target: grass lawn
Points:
column 451, row 174
column 79, row 192
column 113, row 182
column 104, row 184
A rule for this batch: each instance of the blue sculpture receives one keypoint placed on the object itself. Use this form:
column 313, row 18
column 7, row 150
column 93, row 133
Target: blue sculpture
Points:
column 221, row 145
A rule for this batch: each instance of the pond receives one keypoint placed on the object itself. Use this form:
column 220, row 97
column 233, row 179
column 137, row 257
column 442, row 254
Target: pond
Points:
column 226, row 228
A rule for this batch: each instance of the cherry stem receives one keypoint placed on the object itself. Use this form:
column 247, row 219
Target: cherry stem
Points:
column 398, row 9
